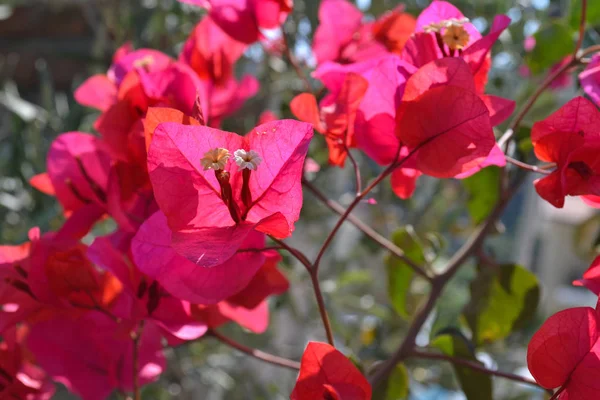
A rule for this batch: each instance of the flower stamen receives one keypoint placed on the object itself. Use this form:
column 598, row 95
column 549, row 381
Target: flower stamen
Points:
column 215, row 159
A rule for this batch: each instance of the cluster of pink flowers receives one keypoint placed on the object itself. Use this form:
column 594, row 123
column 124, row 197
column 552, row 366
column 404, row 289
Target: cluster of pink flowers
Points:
column 193, row 205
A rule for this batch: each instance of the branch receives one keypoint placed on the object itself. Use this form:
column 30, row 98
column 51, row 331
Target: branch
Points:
column 527, row 167
column 366, row 229
column 438, row 284
column 258, row 354
column 473, row 365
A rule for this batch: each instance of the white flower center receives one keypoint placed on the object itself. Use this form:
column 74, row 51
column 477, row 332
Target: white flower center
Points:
column 247, row 159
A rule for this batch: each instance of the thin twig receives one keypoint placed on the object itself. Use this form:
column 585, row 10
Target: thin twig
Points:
column 549, row 79
column 581, row 28
column 294, row 62
column 558, row 392
column 355, row 202
column 315, row 284
column 258, row 354
column 356, row 170
column 528, row 167
column 366, row 229
column 473, row 365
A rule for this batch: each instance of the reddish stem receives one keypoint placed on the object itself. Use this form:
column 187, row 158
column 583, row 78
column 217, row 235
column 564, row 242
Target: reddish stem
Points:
column 258, row 354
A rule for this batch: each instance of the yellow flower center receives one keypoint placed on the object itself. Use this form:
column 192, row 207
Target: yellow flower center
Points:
column 456, row 37
column 215, row 159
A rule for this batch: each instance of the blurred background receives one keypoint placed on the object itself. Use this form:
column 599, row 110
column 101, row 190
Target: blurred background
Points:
column 47, row 49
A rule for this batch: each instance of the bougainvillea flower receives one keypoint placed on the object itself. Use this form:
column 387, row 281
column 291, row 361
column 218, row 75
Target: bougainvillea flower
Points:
column 464, row 138
column 54, row 271
column 342, row 35
column 19, row 378
column 155, row 257
column 88, row 355
column 564, row 353
column 80, row 173
column 590, row 79
column 243, row 20
column 375, row 119
column 570, row 137
column 326, row 373
column 210, row 52
column 336, row 117
column 216, row 187
column 443, row 31
column 77, row 170
column 100, row 91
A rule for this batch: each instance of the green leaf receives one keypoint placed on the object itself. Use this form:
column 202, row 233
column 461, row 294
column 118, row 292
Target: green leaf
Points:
column 552, row 43
column 502, row 300
column 483, row 190
column 400, row 275
column 476, row 385
column 395, row 386
column 592, row 13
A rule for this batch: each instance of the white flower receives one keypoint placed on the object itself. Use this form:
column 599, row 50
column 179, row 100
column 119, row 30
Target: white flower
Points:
column 215, row 159
column 247, row 159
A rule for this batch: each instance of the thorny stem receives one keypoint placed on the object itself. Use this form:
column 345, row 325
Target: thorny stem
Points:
column 472, row 365
column 258, row 354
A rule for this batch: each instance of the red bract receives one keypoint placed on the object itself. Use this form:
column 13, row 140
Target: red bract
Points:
column 92, row 355
column 443, row 31
column 452, row 145
column 342, row 36
column 564, row 353
column 591, row 277
column 570, row 137
column 213, row 203
column 184, row 279
column 386, row 77
column 336, row 117
column 78, row 170
column 210, row 52
column 248, row 308
column 19, row 378
column 243, row 20
column 327, row 373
